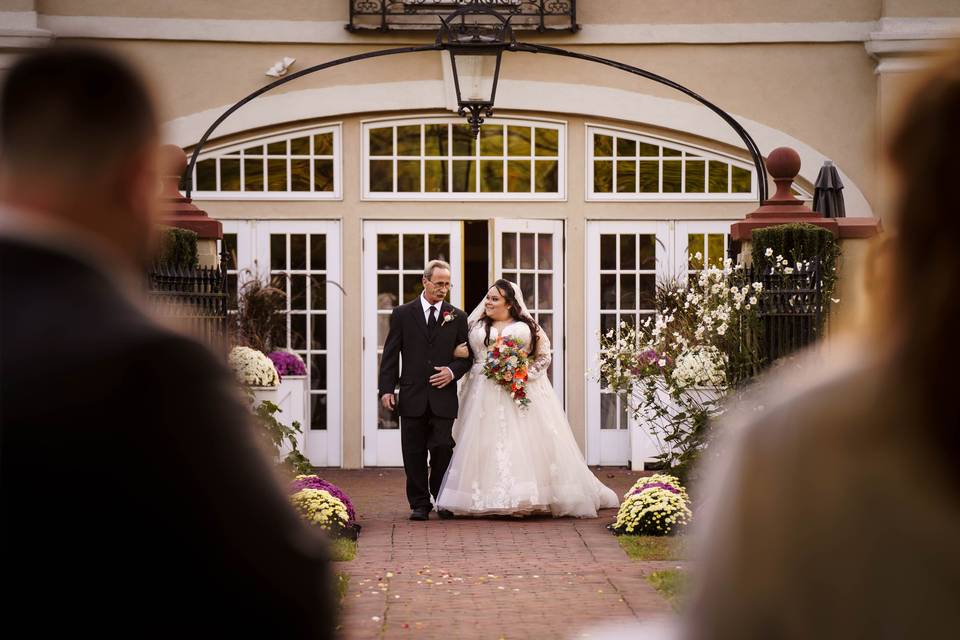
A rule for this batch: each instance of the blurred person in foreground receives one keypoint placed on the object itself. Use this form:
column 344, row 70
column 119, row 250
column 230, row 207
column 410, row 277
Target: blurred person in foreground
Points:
column 134, row 499
column 835, row 512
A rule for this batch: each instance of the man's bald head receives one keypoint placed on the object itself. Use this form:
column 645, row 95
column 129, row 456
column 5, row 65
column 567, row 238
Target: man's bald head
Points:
column 78, row 145
column 72, row 113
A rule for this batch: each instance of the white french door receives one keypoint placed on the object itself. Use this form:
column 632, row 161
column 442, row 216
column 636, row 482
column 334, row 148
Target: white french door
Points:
column 302, row 258
column 625, row 261
column 530, row 253
column 394, row 256
column 706, row 237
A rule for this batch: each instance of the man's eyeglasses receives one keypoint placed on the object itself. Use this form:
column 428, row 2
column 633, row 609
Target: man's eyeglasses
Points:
column 440, row 285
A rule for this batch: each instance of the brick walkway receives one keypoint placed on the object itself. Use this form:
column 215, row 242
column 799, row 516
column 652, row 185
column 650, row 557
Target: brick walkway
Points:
column 485, row 578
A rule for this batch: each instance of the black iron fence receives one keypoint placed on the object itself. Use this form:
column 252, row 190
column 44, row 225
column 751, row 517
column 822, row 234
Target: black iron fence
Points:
column 793, row 310
column 193, row 300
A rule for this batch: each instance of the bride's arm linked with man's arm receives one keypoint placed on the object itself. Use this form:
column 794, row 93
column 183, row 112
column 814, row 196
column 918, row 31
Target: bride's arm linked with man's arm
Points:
column 461, row 362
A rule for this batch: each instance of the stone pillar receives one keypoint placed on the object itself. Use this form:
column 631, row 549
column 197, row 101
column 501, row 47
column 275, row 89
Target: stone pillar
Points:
column 179, row 211
column 856, row 237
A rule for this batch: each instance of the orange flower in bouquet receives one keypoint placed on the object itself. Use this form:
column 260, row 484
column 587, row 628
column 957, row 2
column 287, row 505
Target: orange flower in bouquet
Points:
column 506, row 365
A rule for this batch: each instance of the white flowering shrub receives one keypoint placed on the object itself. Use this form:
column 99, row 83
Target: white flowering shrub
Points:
column 700, row 366
column 677, row 366
column 253, row 368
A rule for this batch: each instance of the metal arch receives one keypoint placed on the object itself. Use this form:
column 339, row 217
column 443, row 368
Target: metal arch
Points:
column 748, row 140
column 751, row 145
column 188, row 172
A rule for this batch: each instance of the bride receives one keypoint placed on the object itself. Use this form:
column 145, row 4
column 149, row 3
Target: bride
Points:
column 511, row 460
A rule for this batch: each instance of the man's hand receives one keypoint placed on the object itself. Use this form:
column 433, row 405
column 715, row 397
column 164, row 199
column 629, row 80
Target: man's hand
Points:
column 389, row 401
column 442, row 378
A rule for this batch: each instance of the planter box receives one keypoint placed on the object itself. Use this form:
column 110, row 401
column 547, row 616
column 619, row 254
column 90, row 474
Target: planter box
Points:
column 291, row 397
column 645, row 442
column 294, row 391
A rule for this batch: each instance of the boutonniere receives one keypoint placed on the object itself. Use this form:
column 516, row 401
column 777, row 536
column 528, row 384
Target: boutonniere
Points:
column 447, row 317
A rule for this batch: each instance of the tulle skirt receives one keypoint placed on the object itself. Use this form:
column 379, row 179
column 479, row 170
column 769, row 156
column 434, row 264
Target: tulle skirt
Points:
column 510, row 460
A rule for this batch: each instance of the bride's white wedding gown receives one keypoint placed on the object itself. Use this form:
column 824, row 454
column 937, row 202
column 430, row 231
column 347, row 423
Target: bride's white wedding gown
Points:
column 517, row 461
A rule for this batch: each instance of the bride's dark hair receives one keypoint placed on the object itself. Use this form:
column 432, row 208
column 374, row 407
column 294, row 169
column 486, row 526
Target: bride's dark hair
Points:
column 513, row 306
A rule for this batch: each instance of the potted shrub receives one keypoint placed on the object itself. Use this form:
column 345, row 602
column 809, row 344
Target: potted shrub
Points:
column 293, row 392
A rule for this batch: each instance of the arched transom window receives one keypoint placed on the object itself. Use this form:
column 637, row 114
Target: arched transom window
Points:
column 624, row 165
column 439, row 158
column 293, row 165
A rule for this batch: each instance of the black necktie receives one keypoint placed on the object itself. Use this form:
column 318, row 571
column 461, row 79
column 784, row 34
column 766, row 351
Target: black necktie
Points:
column 432, row 321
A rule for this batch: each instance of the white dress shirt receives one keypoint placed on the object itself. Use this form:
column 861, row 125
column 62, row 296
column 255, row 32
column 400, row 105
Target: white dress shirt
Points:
column 426, row 309
column 436, row 314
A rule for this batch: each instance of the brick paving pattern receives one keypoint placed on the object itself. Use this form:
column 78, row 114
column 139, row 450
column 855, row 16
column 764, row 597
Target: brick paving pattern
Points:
column 485, row 578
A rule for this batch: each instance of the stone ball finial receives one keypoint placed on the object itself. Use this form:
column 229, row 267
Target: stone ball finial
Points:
column 173, row 161
column 178, row 210
column 783, row 163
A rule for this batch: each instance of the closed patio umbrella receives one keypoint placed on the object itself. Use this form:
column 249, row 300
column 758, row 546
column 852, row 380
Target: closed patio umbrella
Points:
column 827, row 193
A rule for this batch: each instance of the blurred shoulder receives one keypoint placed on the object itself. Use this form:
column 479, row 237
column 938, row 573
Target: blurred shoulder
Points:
column 812, row 401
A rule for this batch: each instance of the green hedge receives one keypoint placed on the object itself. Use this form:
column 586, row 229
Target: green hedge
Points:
column 178, row 248
column 797, row 242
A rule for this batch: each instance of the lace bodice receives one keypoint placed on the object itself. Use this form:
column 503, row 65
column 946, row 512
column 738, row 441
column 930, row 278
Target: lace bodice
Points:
column 538, row 363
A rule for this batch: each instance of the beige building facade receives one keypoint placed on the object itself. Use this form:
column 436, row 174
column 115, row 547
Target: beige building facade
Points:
column 586, row 186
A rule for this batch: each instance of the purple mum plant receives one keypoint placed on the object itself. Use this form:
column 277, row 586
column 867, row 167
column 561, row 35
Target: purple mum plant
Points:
column 288, row 364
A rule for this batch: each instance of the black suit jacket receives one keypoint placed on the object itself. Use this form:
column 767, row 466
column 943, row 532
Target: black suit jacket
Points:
column 134, row 498
column 421, row 351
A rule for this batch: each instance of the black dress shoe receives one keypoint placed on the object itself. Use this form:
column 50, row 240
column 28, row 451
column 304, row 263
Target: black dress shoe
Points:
column 420, row 514
column 445, row 514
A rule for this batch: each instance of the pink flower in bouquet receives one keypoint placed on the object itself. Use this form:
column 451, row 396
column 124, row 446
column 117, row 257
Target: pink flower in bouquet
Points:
column 506, row 365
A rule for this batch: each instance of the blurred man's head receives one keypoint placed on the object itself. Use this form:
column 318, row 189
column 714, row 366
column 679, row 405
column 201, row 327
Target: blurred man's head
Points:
column 78, row 142
column 923, row 152
column 925, row 303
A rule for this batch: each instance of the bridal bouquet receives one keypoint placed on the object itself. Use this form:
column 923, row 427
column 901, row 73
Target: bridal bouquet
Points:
column 506, row 365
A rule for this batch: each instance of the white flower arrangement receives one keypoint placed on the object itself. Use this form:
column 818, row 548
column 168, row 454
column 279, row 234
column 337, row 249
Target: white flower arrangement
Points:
column 253, row 368
column 701, row 366
column 674, row 367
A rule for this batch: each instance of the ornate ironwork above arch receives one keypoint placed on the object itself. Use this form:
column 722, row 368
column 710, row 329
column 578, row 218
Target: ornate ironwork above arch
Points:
column 423, row 15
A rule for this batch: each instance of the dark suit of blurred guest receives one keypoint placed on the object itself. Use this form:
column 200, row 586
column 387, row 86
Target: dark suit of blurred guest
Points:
column 134, row 499
column 837, row 511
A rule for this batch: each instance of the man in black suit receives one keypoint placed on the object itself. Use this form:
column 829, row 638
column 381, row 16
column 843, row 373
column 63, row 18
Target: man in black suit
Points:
column 425, row 332
column 134, row 499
